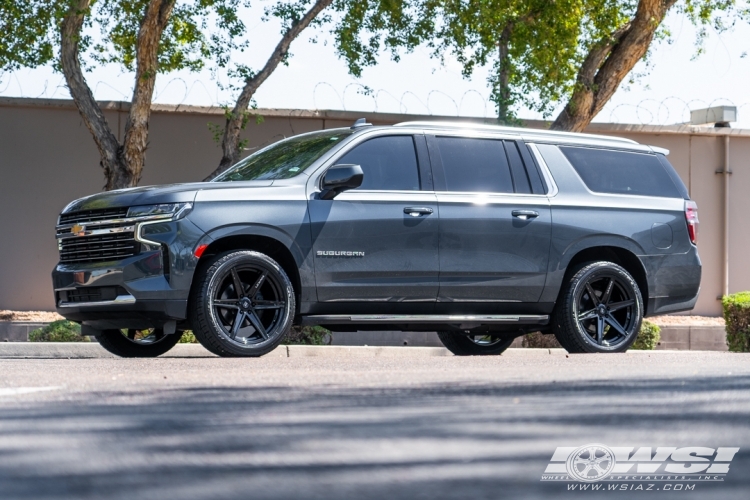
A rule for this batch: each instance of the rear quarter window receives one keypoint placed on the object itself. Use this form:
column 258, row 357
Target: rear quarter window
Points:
column 621, row 172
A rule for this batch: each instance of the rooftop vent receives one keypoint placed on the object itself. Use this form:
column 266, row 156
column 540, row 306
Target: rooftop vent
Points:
column 719, row 116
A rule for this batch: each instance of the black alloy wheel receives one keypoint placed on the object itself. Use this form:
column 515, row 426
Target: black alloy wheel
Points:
column 600, row 310
column 462, row 344
column 134, row 343
column 242, row 305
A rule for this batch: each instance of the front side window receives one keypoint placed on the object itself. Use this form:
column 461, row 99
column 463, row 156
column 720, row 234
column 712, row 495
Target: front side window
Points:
column 284, row 159
column 389, row 163
column 621, row 172
column 477, row 165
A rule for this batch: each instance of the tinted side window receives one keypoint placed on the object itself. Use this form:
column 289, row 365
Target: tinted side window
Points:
column 389, row 163
column 675, row 176
column 475, row 165
column 520, row 179
column 621, row 172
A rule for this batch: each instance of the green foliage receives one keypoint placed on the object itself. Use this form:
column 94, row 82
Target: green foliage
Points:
column 28, row 40
column 188, row 337
column 58, row 331
column 308, row 335
column 737, row 318
column 546, row 41
column 198, row 31
column 648, row 337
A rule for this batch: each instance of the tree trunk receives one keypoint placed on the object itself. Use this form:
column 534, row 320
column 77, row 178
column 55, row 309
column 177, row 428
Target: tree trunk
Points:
column 106, row 141
column 608, row 63
column 136, row 128
column 230, row 142
column 503, row 90
column 122, row 164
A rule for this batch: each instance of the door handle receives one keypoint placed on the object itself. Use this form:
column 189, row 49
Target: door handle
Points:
column 417, row 211
column 525, row 214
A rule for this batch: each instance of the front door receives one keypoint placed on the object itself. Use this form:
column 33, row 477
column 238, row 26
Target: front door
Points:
column 378, row 245
column 494, row 231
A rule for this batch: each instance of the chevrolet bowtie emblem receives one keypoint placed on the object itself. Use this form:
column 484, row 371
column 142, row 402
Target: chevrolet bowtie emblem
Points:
column 78, row 230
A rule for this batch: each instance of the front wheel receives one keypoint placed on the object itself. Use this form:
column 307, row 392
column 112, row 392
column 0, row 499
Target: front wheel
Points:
column 132, row 343
column 242, row 304
column 600, row 310
column 474, row 345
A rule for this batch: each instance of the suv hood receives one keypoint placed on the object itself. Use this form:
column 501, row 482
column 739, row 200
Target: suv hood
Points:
column 150, row 195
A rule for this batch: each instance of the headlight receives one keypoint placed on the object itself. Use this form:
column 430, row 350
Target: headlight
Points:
column 172, row 211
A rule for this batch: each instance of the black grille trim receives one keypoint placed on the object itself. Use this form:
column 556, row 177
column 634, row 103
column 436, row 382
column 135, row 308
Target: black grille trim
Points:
column 84, row 216
column 99, row 248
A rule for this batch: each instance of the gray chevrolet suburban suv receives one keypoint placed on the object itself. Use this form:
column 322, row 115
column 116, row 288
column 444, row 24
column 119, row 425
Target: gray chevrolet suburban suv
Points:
column 481, row 233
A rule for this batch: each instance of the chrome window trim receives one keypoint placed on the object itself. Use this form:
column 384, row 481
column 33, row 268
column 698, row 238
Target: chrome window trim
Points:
column 119, row 300
column 552, row 186
column 491, row 193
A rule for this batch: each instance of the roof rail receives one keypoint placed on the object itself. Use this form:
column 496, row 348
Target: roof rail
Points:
column 508, row 130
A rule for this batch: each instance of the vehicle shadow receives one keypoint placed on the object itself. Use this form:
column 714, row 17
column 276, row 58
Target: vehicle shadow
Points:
column 478, row 441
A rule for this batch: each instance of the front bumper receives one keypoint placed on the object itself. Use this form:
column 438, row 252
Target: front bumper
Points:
column 146, row 290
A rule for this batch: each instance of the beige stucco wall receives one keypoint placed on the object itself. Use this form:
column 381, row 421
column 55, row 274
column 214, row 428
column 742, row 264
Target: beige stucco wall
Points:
column 47, row 158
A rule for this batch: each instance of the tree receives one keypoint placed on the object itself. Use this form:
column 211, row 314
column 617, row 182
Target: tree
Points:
column 295, row 18
column 613, row 56
column 542, row 53
column 143, row 36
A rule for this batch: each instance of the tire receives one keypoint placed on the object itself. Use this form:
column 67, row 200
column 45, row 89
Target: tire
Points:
column 129, row 343
column 250, row 323
column 474, row 345
column 600, row 309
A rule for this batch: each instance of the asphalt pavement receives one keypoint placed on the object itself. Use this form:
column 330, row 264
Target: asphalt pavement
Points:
column 345, row 426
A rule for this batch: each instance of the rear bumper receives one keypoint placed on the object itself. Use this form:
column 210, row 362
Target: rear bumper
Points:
column 674, row 282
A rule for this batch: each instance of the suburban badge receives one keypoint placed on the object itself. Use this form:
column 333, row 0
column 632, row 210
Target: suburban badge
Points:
column 337, row 253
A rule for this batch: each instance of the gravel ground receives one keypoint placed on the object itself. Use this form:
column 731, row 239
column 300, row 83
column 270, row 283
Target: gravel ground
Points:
column 678, row 320
column 31, row 316
column 344, row 428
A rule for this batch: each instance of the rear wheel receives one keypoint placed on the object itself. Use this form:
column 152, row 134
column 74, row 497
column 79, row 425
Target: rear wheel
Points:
column 600, row 310
column 242, row 304
column 132, row 343
column 474, row 345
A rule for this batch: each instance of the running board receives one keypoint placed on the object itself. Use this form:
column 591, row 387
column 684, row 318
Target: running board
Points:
column 342, row 319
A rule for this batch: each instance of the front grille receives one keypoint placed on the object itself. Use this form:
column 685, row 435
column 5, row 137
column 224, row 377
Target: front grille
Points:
column 116, row 244
column 93, row 215
column 98, row 248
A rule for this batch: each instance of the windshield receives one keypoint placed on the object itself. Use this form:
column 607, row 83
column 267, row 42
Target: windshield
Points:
column 285, row 159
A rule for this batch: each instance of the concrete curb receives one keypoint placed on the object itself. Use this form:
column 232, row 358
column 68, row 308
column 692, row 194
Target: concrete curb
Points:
column 92, row 350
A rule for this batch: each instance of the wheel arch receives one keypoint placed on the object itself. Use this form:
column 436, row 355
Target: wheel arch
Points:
column 623, row 257
column 269, row 241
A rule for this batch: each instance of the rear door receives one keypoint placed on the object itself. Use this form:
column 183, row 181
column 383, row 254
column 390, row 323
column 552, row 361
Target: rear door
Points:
column 378, row 245
column 495, row 221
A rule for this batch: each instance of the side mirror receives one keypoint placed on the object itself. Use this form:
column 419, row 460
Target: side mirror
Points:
column 340, row 178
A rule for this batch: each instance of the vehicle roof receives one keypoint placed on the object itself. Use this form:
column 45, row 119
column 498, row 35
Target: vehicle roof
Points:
column 529, row 134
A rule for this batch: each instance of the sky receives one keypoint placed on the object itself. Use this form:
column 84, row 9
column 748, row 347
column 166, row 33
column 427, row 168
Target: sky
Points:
column 316, row 78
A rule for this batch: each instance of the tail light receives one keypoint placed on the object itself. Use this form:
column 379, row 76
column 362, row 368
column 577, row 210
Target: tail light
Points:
column 691, row 217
